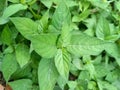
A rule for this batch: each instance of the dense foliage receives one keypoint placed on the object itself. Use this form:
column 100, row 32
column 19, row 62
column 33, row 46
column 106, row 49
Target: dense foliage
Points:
column 60, row 44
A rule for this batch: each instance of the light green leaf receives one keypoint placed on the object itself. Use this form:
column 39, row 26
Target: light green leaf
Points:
column 10, row 10
column 113, row 51
column 61, row 16
column 77, row 63
column 47, row 3
column 62, row 63
column 72, row 84
column 82, row 44
column 47, row 74
column 105, row 85
column 9, row 66
column 103, row 4
column 22, row 84
column 117, row 84
column 6, row 36
column 90, row 67
column 66, row 35
column 27, row 28
column 43, row 22
column 81, row 17
column 102, row 28
column 61, row 82
column 84, row 75
column 22, row 54
column 101, row 70
column 45, row 44
column 117, row 4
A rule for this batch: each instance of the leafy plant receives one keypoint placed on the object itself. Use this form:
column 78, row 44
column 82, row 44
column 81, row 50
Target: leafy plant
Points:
column 60, row 44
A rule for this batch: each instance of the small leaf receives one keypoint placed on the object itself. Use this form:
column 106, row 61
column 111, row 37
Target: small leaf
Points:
column 45, row 44
column 43, row 22
column 47, row 3
column 81, row 17
column 22, row 84
column 102, row 28
column 47, row 74
column 9, row 66
column 62, row 15
column 62, row 62
column 22, row 54
column 27, row 28
column 6, row 36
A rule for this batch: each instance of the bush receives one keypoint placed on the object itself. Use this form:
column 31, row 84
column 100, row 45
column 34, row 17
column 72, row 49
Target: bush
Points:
column 60, row 44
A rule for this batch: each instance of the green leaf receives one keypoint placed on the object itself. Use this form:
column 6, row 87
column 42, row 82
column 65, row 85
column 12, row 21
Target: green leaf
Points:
column 113, row 50
column 27, row 28
column 102, row 28
column 101, row 70
column 47, row 74
column 105, row 85
column 22, row 54
column 9, row 66
column 77, row 63
column 10, row 10
column 6, row 36
column 45, row 44
column 82, row 44
column 22, row 72
column 117, row 4
column 47, row 3
column 72, row 85
column 22, row 84
column 81, row 17
column 14, row 1
column 43, row 22
column 61, row 82
column 61, row 16
column 66, row 34
column 117, row 84
column 2, row 6
column 84, row 75
column 62, row 63
column 103, row 4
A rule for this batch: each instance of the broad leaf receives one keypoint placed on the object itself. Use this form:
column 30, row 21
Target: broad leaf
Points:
column 10, row 10
column 22, row 84
column 47, row 74
column 27, row 27
column 61, row 16
column 9, row 66
column 22, row 54
column 62, row 62
column 45, row 44
column 82, row 44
